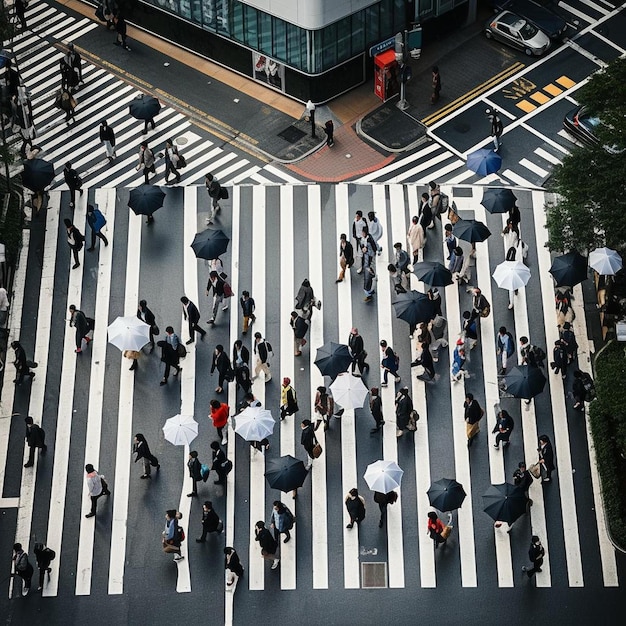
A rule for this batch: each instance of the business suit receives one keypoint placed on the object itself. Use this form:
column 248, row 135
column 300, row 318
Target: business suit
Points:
column 192, row 315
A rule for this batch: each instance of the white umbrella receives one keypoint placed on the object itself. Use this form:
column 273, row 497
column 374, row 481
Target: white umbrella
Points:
column 383, row 476
column 511, row 275
column 349, row 391
column 180, row 430
column 254, row 423
column 605, row 261
column 129, row 333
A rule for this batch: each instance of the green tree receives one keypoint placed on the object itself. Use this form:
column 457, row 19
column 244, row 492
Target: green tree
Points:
column 591, row 181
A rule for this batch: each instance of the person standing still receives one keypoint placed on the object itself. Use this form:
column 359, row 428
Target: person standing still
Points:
column 107, row 137
column 120, row 37
column 262, row 349
column 97, row 487
column 496, row 127
column 192, row 315
column 73, row 182
column 436, row 84
column 23, row 568
column 20, row 11
column 536, row 552
column 329, row 129
column 35, row 438
column 214, row 190
column 247, row 308
column 96, row 222
column 75, row 240
column 142, row 450
column 195, row 473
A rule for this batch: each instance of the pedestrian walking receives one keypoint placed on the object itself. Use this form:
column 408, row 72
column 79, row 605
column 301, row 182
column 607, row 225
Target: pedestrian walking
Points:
column 96, row 222
column 425, row 215
column 214, row 189
column 67, row 103
column 148, row 317
column 97, row 486
column 73, row 182
column 355, row 505
column 73, row 59
column 142, row 450
column 35, row 438
column 503, row 429
column 368, row 276
column 120, row 40
column 173, row 535
column 219, row 416
column 456, row 261
column 376, row 230
column 437, row 332
column 262, row 350
column 170, row 354
column 221, row 363
column 505, row 347
column 324, row 407
column 536, row 553
column 288, row 399
column 358, row 225
column 221, row 464
column 357, row 351
column 69, row 79
column 247, row 308
column 450, row 240
column 389, row 363
column 384, row 500
column 480, row 304
column 215, row 285
column 424, row 358
column 559, row 359
column 404, row 408
column 376, row 407
column 133, row 356
column 473, row 413
column 300, row 328
column 192, row 316
column 282, row 521
column 399, row 280
column 496, row 127
column 75, row 240
column 568, row 338
column 44, row 556
column 233, row 568
column 435, row 529
column 211, row 522
column 416, row 238
column 436, row 85
column 522, row 478
column 4, row 302
column 82, row 325
column 346, row 256
column 172, row 161
column 146, row 161
column 457, row 369
column 309, row 441
column 329, row 129
column 401, row 258
column 241, row 365
column 195, row 473
column 530, row 354
column 583, row 389
column 22, row 365
column 20, row 12
column 546, row 457
column 306, row 300
column 515, row 217
column 469, row 331
column 22, row 567
column 107, row 137
column 268, row 544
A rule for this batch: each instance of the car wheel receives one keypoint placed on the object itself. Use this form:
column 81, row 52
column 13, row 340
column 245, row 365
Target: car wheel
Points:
column 528, row 52
column 488, row 34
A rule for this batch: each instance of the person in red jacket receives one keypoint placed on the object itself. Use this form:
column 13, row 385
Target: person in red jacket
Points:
column 435, row 528
column 219, row 415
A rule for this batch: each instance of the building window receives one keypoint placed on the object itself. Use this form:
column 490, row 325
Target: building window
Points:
column 358, row 32
column 279, row 39
column 344, row 39
column 329, row 46
column 250, row 27
column 237, row 21
column 372, row 27
column 264, row 21
column 296, row 46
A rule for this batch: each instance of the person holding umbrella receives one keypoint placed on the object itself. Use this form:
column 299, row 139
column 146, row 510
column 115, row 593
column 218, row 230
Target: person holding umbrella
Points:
column 146, row 162
column 383, row 500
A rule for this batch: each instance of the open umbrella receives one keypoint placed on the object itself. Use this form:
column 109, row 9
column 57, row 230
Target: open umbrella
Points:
column 471, row 230
column 254, row 423
column 210, row 243
column 605, row 261
column 37, row 174
column 146, row 199
column 180, row 430
column 383, row 476
column 285, row 473
column 505, row 502
column 333, row 359
column 525, row 381
column 414, row 307
column 569, row 269
column 433, row 273
column 129, row 333
column 144, row 107
column 349, row 391
column 498, row 199
column 446, row 494
column 484, row 162
column 511, row 275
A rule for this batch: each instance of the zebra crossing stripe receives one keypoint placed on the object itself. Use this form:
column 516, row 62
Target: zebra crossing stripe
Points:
column 399, row 163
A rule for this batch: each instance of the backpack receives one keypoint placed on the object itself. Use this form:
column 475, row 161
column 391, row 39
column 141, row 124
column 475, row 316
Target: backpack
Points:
column 223, row 193
column 50, row 553
column 539, row 354
column 179, row 536
column 228, row 290
column 21, row 564
column 444, row 204
column 204, row 471
column 289, row 519
column 510, row 254
column 181, row 350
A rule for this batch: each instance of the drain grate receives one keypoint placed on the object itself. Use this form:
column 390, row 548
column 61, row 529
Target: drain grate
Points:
column 291, row 134
column 374, row 575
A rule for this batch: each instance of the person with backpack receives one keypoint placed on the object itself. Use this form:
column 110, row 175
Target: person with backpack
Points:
column 75, row 240
column 210, row 521
column 44, row 556
column 324, row 407
column 23, row 568
column 97, row 486
column 504, row 427
column 195, row 473
column 583, row 389
column 268, row 544
column 22, row 364
column 389, row 364
column 288, row 399
column 355, row 505
column 142, row 450
column 221, row 464
column 35, row 438
column 79, row 321
column 300, row 328
column 530, row 354
column 214, row 189
column 559, row 361
column 262, row 350
column 96, row 222
column 505, row 347
column 496, row 127
column 173, row 535
column 404, row 408
column 305, row 300
column 282, row 521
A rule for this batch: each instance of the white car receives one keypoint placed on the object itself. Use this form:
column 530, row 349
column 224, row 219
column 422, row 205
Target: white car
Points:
column 518, row 33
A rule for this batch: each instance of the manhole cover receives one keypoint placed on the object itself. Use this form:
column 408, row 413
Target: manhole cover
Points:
column 291, row 134
column 374, row 575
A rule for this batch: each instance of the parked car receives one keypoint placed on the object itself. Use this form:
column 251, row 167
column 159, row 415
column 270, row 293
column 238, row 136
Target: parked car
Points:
column 532, row 11
column 514, row 31
column 583, row 125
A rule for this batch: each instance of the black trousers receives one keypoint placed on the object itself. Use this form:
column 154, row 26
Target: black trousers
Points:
column 193, row 326
column 31, row 452
column 100, row 236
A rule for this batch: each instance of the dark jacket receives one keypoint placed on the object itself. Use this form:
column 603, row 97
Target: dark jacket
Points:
column 148, row 315
column 107, row 134
column 78, row 238
column 348, row 253
column 234, row 565
column 355, row 344
column 522, row 479
column 20, row 359
column 376, row 407
column 404, row 406
column 356, row 508
column 72, row 178
column 266, row 541
column 299, row 326
column 473, row 412
column 168, row 354
column 218, row 288
column 195, row 469
column 536, row 554
column 247, row 306
column 79, row 321
column 263, row 348
column 35, row 436
column 219, row 458
column 192, row 312
column 245, row 355
column 504, row 424
column 547, row 456
column 308, row 438
column 142, row 450
column 210, row 520
column 220, row 362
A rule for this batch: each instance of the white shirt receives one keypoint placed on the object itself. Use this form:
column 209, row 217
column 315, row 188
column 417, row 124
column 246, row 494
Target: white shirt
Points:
column 4, row 300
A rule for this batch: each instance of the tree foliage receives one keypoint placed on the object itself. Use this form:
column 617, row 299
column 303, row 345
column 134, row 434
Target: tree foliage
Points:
column 591, row 181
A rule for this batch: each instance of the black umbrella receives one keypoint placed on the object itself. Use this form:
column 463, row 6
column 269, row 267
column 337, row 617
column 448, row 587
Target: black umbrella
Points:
column 525, row 381
column 146, row 199
column 433, row 273
column 471, row 230
column 285, row 473
column 498, row 199
column 37, row 174
column 569, row 269
column 414, row 307
column 144, row 107
column 210, row 243
column 505, row 502
column 332, row 359
column 446, row 494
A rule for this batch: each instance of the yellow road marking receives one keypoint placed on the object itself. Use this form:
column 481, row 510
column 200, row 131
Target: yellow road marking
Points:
column 539, row 97
column 552, row 89
column 566, row 82
column 526, row 106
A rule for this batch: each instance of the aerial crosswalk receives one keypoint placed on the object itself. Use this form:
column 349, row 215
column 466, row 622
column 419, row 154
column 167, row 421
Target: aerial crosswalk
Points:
column 91, row 405
column 103, row 96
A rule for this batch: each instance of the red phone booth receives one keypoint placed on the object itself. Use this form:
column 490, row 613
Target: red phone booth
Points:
column 386, row 83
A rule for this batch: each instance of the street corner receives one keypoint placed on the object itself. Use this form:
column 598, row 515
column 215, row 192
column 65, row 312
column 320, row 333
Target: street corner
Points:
column 465, row 129
column 289, row 143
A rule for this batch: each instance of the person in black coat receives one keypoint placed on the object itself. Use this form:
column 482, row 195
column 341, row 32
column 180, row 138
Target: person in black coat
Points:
column 222, row 365
column 210, row 521
column 170, row 357
column 536, row 552
column 75, row 240
column 35, row 438
column 195, row 472
column 220, row 463
column 346, row 256
column 20, row 11
column 404, row 406
column 522, row 478
column 233, row 567
column 268, row 544
column 559, row 358
column 384, row 500
column 21, row 363
column 192, row 315
column 241, row 365
column 308, row 439
column 355, row 504
column 356, row 348
column 142, row 450
column 546, row 457
column 300, row 328
column 425, row 359
column 44, row 556
column 73, row 182
column 147, row 316
column 376, row 407
column 107, row 137
column 473, row 413
column 120, row 40
column 504, row 427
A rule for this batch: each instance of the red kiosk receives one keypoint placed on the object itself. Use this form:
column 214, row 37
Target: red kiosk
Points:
column 386, row 68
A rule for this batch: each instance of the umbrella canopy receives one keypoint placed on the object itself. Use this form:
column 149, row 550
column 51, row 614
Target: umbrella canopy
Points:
column 498, row 199
column 605, row 261
column 414, row 307
column 505, row 502
column 144, row 107
column 180, row 430
column 332, row 359
column 511, row 275
column 446, row 494
column 471, row 230
column 484, row 162
column 569, row 269
column 383, row 476
column 129, row 333
column 349, row 391
column 210, row 243
column 525, row 381
column 254, row 423
column 285, row 473
column 146, row 199
column 433, row 273
column 37, row 174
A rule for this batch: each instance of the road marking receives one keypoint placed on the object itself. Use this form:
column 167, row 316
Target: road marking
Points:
column 517, row 179
column 546, row 139
column 540, row 152
column 609, row 42
column 539, row 97
column 553, row 90
column 576, row 12
column 420, row 167
column 533, row 167
column 398, row 163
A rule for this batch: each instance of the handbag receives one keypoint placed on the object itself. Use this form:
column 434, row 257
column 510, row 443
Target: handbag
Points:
column 317, row 451
column 181, row 161
column 155, row 329
column 223, row 193
column 181, row 351
column 220, row 527
column 445, row 533
column 535, row 470
column 413, row 418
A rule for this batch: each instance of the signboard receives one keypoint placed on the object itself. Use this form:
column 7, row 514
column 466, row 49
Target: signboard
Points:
column 382, row 46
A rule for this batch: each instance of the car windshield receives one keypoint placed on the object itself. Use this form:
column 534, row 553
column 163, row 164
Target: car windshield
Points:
column 588, row 120
column 525, row 29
